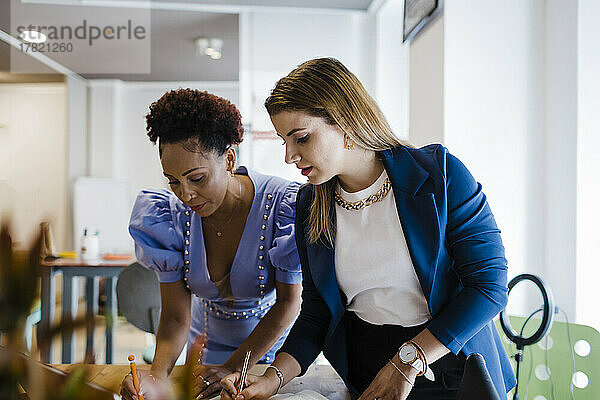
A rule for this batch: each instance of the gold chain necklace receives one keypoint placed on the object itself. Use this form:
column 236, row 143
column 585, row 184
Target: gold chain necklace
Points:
column 215, row 227
column 359, row 205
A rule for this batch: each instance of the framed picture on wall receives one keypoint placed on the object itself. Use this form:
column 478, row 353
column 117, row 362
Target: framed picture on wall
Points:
column 417, row 14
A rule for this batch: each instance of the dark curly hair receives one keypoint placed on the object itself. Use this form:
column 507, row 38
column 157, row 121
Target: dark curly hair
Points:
column 200, row 119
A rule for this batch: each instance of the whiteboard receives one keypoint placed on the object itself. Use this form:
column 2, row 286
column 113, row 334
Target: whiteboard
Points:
column 103, row 205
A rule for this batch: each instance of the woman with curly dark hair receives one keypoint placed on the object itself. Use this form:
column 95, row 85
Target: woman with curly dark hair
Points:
column 223, row 235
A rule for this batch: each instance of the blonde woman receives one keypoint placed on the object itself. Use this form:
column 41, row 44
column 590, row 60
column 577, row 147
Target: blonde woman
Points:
column 403, row 264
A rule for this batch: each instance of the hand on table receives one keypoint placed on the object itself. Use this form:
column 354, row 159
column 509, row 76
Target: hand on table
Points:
column 208, row 379
column 389, row 383
column 151, row 387
column 256, row 387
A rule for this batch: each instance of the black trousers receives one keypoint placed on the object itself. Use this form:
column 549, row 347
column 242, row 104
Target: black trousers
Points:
column 370, row 347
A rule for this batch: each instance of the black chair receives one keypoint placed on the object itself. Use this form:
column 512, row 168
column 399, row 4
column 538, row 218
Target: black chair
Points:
column 476, row 383
column 138, row 296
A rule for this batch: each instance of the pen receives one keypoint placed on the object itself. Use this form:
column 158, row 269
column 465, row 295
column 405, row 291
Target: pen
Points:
column 244, row 371
column 136, row 382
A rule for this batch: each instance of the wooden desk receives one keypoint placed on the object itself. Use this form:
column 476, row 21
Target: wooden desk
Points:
column 71, row 269
column 320, row 378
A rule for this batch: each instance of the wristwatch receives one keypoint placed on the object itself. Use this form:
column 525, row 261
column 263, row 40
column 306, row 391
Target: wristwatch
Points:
column 409, row 355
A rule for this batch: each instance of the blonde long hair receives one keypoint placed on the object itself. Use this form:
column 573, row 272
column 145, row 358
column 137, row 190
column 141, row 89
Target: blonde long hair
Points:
column 325, row 88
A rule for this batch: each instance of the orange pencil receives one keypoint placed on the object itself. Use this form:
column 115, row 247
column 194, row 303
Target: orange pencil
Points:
column 136, row 382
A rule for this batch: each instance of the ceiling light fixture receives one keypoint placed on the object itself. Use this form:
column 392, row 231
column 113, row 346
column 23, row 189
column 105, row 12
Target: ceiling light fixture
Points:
column 211, row 47
column 33, row 36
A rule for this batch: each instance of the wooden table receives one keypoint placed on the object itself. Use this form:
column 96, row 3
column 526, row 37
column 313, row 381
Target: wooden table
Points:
column 71, row 269
column 320, row 378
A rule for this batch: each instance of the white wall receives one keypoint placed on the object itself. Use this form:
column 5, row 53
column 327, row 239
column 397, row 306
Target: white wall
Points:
column 560, row 166
column 33, row 160
column 426, row 86
column 494, row 83
column 588, row 161
column 106, row 107
column 392, row 75
column 77, row 142
column 77, row 105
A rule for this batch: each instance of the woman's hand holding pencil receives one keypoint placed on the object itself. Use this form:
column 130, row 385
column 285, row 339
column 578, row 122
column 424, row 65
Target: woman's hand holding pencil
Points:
column 243, row 386
column 255, row 387
column 140, row 384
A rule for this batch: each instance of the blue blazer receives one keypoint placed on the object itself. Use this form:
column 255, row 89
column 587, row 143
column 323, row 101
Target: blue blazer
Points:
column 455, row 248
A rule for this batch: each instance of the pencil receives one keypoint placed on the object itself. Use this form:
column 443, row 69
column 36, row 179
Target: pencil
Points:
column 136, row 382
column 244, row 371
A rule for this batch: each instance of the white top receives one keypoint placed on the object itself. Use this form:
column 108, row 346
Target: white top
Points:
column 372, row 262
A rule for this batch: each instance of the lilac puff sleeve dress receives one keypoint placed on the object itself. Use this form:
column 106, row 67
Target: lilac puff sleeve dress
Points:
column 169, row 240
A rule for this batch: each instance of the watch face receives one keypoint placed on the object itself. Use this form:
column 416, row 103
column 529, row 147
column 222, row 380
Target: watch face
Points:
column 407, row 353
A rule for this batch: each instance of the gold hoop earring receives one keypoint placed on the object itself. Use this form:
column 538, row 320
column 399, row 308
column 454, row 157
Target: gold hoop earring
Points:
column 348, row 143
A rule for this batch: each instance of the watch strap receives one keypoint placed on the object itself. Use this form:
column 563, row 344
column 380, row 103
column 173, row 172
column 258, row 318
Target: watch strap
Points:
column 420, row 364
column 429, row 374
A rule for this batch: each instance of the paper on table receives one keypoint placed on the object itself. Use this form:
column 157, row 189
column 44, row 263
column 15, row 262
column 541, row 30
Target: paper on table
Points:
column 303, row 395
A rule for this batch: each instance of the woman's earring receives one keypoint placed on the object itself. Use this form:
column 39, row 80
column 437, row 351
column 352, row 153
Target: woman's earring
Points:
column 348, row 143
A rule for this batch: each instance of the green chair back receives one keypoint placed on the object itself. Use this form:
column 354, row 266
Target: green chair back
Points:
column 584, row 348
